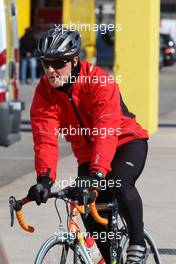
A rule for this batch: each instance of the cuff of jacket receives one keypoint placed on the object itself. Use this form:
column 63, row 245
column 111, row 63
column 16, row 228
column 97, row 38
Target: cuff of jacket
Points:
column 43, row 172
column 102, row 170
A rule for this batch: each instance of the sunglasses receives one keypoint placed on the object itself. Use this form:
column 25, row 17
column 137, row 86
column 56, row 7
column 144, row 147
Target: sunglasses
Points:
column 56, row 64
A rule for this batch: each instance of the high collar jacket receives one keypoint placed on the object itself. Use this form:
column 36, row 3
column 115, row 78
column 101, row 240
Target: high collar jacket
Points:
column 93, row 117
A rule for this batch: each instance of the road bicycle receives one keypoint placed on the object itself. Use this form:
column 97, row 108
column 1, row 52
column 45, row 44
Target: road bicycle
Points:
column 68, row 246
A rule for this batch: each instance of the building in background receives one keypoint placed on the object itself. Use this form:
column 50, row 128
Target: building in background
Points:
column 44, row 14
column 38, row 14
column 168, row 18
column 168, row 9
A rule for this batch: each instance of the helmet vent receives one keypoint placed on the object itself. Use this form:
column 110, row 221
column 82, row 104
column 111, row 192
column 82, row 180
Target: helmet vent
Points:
column 59, row 44
column 40, row 45
column 49, row 42
column 70, row 44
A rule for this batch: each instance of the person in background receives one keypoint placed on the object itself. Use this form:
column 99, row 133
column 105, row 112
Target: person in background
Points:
column 28, row 45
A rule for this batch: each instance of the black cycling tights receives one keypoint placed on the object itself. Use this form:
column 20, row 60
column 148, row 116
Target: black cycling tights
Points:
column 127, row 165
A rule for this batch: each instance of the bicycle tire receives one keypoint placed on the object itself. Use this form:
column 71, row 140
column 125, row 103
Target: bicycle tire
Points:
column 54, row 243
column 152, row 257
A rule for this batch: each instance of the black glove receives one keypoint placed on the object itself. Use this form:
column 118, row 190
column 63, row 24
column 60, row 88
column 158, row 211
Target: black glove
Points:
column 87, row 182
column 90, row 183
column 40, row 192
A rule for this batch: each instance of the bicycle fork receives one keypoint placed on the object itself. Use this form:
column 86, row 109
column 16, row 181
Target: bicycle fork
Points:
column 80, row 245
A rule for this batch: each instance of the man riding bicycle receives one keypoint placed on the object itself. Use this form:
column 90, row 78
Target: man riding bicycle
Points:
column 71, row 94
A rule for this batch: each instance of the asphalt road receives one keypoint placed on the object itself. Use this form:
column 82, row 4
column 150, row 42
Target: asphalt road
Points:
column 167, row 95
column 17, row 160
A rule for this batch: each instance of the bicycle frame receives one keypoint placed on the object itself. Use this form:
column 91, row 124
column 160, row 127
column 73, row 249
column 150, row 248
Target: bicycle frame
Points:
column 115, row 248
column 73, row 228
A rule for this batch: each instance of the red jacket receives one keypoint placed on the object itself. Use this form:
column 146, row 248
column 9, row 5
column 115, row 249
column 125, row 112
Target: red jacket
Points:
column 101, row 111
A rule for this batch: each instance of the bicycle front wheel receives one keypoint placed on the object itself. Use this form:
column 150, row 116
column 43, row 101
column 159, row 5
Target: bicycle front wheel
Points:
column 61, row 250
column 152, row 256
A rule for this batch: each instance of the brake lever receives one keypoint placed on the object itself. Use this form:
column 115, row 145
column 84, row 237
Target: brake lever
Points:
column 14, row 205
column 85, row 203
column 12, row 202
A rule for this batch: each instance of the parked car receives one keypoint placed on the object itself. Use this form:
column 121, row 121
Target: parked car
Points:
column 10, row 105
column 168, row 48
column 161, row 54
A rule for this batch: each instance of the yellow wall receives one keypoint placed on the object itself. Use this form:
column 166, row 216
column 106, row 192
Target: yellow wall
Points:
column 82, row 12
column 10, row 49
column 24, row 15
column 137, row 58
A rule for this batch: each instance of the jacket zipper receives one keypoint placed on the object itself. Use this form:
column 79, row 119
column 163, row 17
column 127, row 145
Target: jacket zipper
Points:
column 78, row 117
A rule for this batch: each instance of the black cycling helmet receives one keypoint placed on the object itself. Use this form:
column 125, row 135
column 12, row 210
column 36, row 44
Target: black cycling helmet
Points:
column 59, row 43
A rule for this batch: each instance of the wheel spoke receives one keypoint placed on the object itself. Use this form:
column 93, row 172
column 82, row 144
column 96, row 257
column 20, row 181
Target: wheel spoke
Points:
column 151, row 255
column 55, row 252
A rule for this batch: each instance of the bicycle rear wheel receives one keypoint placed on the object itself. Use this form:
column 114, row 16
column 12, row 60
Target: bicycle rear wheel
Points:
column 152, row 256
column 60, row 250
